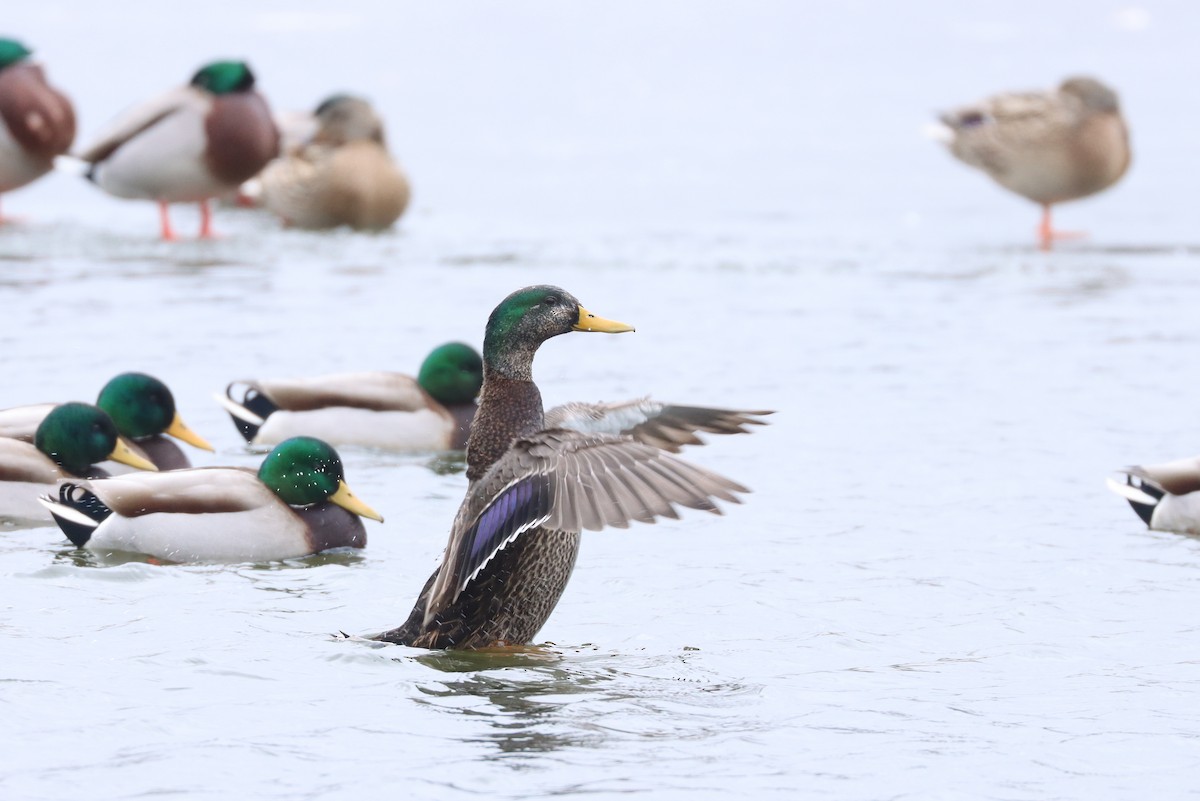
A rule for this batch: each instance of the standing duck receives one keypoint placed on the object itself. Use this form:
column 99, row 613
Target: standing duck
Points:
column 37, row 121
column 343, row 176
column 533, row 490
column 70, row 441
column 1165, row 496
column 297, row 504
column 393, row 411
column 143, row 410
column 189, row 145
column 1050, row 147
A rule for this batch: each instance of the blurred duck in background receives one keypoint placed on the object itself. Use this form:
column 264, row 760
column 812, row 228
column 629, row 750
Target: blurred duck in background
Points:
column 393, row 411
column 70, row 441
column 189, row 145
column 141, row 407
column 342, row 175
column 37, row 121
column 298, row 503
column 1049, row 147
column 1165, row 496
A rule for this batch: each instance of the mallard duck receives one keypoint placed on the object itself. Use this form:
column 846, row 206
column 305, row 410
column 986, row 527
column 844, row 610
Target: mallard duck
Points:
column 70, row 440
column 141, row 406
column 1165, row 496
column 297, row 504
column 533, row 490
column 1049, row 147
column 344, row 176
column 431, row 412
column 189, row 145
column 37, row 121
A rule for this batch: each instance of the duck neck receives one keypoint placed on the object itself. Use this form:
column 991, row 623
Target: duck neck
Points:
column 508, row 408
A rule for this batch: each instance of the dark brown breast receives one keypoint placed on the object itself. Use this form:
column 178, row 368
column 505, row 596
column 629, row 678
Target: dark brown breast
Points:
column 507, row 409
column 242, row 137
column 41, row 119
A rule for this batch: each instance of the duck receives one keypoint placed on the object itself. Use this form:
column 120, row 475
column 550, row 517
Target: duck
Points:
column 296, row 504
column 189, row 145
column 385, row 410
column 1165, row 496
column 37, row 122
column 1048, row 146
column 343, row 175
column 532, row 490
column 143, row 410
column 70, row 441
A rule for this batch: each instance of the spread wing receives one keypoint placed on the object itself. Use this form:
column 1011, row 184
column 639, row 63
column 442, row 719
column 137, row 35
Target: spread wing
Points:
column 137, row 119
column 665, row 426
column 568, row 481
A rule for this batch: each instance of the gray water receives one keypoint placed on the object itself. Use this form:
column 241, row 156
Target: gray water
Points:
column 929, row 594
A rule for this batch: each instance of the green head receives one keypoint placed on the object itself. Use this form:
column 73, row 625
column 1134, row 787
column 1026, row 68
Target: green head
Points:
column 78, row 435
column 139, row 404
column 224, row 77
column 12, row 51
column 530, row 316
column 452, row 373
column 305, row 470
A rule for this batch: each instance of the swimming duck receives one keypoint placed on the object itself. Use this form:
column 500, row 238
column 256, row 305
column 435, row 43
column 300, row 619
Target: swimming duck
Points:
column 143, row 409
column 431, row 412
column 297, row 504
column 533, row 490
column 1049, row 147
column 343, row 176
column 37, row 122
column 70, row 440
column 1165, row 496
column 189, row 145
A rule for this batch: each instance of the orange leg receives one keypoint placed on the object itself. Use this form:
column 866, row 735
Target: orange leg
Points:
column 1047, row 234
column 164, row 219
column 206, row 229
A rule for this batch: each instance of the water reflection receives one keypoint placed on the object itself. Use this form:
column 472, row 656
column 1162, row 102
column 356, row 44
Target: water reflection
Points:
column 526, row 695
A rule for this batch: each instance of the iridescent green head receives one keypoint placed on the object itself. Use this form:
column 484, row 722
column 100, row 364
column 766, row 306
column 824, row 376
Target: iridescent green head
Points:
column 76, row 436
column 305, row 470
column 139, row 404
column 530, row 316
column 12, row 51
column 142, row 406
column 452, row 373
column 224, row 77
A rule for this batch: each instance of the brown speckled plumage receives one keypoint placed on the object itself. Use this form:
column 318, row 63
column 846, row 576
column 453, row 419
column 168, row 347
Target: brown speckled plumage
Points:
column 514, row 542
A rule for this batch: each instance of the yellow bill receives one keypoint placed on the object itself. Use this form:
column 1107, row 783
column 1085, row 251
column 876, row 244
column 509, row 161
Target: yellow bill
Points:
column 179, row 430
column 590, row 322
column 125, row 454
column 350, row 502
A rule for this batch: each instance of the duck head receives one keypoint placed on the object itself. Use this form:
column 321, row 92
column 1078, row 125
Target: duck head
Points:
column 530, row 316
column 224, row 77
column 305, row 470
column 141, row 406
column 12, row 51
column 452, row 373
column 345, row 118
column 78, row 435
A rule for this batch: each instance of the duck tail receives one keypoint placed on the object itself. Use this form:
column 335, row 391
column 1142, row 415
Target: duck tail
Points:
column 1143, row 496
column 77, row 511
column 250, row 412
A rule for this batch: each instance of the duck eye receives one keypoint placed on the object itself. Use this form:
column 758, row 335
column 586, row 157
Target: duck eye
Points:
column 551, row 300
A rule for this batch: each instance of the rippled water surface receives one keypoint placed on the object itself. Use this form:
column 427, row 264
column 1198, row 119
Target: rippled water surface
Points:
column 929, row 594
